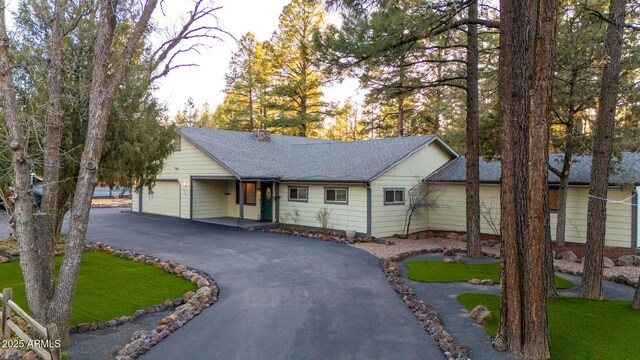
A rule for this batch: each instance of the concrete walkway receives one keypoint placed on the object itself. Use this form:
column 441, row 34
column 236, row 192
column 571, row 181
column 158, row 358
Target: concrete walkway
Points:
column 281, row 297
column 442, row 296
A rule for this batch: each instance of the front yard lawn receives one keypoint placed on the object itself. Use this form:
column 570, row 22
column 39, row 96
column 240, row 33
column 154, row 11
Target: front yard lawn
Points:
column 439, row 271
column 579, row 328
column 108, row 287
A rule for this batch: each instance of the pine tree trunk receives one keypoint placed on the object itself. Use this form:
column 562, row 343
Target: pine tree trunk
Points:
column 563, row 191
column 473, row 145
column 527, row 41
column 599, row 185
column 251, row 126
column 400, row 116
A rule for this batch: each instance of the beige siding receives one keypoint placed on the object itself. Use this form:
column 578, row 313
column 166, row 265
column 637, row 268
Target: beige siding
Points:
column 135, row 204
column 164, row 200
column 387, row 220
column 352, row 216
column 451, row 213
column 180, row 165
column 209, row 199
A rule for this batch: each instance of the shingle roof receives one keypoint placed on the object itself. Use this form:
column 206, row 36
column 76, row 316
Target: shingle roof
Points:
column 626, row 171
column 303, row 159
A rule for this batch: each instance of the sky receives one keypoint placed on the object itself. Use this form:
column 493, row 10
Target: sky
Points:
column 206, row 83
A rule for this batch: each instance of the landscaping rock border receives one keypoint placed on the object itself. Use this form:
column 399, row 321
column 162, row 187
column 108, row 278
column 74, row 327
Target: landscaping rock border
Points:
column 426, row 314
column 190, row 305
column 619, row 278
column 330, row 236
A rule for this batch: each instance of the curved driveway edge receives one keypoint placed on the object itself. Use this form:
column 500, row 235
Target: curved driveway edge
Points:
column 281, row 297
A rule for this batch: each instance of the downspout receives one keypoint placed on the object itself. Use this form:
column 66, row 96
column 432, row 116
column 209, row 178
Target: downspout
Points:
column 634, row 219
column 369, row 205
column 190, row 197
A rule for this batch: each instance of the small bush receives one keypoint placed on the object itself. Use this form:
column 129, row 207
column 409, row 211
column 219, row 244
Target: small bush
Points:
column 323, row 216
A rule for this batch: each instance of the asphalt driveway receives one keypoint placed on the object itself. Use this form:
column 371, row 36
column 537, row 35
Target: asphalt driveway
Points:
column 281, row 297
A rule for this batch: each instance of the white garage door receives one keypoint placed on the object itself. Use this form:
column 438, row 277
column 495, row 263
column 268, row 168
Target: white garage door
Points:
column 165, row 199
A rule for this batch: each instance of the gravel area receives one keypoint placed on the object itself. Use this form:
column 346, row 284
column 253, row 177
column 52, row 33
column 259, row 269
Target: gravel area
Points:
column 402, row 246
column 102, row 344
column 630, row 272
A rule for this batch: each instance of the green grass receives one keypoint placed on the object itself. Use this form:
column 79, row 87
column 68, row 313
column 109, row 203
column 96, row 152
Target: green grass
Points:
column 108, row 287
column 439, row 271
column 579, row 328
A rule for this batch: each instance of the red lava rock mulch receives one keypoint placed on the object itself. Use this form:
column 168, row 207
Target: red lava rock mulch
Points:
column 612, row 252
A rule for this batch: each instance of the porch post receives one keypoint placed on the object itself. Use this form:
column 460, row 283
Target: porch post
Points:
column 276, row 186
column 241, row 201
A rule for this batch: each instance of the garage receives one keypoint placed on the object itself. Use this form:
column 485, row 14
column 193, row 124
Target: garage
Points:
column 165, row 199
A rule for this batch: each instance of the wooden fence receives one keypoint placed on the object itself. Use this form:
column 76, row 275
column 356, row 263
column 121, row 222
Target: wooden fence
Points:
column 47, row 347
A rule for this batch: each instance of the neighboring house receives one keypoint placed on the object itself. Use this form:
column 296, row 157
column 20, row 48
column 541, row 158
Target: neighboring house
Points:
column 622, row 207
column 226, row 176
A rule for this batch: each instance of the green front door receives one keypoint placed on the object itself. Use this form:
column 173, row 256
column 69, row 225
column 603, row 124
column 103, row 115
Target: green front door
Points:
column 267, row 202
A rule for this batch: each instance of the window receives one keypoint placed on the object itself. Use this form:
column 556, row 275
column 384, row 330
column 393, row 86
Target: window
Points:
column 554, row 194
column 336, row 195
column 177, row 143
column 394, row 196
column 249, row 191
column 298, row 193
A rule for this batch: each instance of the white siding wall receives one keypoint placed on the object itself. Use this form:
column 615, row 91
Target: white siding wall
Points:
column 352, row 216
column 451, row 213
column 209, row 199
column 180, row 165
column 387, row 220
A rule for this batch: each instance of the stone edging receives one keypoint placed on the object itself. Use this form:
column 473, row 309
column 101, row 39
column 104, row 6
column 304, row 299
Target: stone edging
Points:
column 187, row 307
column 332, row 236
column 425, row 313
column 313, row 235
